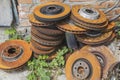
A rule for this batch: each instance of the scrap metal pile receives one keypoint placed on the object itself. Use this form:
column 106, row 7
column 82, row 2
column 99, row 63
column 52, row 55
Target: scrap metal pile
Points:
column 46, row 38
column 89, row 25
column 53, row 21
column 55, row 24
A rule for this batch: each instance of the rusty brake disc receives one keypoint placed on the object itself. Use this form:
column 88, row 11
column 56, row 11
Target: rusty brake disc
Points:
column 35, row 22
column 51, row 11
column 89, row 26
column 41, row 47
column 45, row 42
column 14, row 53
column 82, row 65
column 110, row 27
column 49, row 32
column 94, row 40
column 38, row 51
column 45, row 37
column 114, row 71
column 88, row 13
column 93, row 33
column 104, row 55
column 68, row 26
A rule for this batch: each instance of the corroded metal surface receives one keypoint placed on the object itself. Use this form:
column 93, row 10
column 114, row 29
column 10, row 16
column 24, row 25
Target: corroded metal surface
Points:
column 80, row 59
column 35, row 22
column 51, row 11
column 104, row 55
column 39, row 46
column 16, row 51
column 45, row 42
column 49, row 32
column 38, row 51
column 94, row 40
column 45, row 37
column 68, row 26
column 114, row 71
column 101, row 20
column 86, row 25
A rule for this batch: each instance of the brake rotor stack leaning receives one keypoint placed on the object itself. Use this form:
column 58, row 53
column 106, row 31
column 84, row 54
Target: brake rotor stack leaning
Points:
column 98, row 28
column 14, row 54
column 45, row 36
column 90, row 25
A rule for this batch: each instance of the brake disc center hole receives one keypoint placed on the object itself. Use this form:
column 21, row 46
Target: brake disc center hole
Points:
column 89, row 11
column 11, row 50
column 52, row 8
column 81, row 70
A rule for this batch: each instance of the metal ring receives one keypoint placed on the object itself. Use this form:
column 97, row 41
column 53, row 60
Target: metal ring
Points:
column 12, row 53
column 52, row 9
column 89, row 13
column 93, row 33
column 82, row 69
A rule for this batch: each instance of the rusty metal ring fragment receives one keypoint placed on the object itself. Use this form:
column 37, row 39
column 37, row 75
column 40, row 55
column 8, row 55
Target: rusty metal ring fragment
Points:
column 75, row 68
column 39, row 46
column 110, row 27
column 35, row 22
column 49, row 32
column 45, row 42
column 45, row 37
column 21, row 58
column 93, row 33
column 89, row 26
column 94, row 40
column 51, row 11
column 103, row 54
column 75, row 12
column 114, row 71
column 68, row 26
column 38, row 51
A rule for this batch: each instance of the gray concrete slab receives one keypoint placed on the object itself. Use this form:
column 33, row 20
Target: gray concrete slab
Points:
column 6, row 15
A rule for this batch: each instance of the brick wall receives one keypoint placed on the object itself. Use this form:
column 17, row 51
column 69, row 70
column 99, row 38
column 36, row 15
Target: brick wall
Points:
column 26, row 7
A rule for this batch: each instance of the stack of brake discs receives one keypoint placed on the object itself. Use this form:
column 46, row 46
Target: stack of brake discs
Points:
column 45, row 36
column 89, row 25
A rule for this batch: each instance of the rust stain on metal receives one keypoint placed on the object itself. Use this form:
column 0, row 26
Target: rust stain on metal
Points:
column 13, row 47
column 92, row 62
column 104, row 55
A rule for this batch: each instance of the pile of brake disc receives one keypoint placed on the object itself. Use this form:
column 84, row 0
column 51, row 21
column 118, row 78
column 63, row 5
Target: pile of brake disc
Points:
column 90, row 25
column 51, row 24
column 45, row 36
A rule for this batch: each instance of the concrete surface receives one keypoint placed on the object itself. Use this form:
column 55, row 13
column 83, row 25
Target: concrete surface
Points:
column 6, row 15
column 3, row 36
